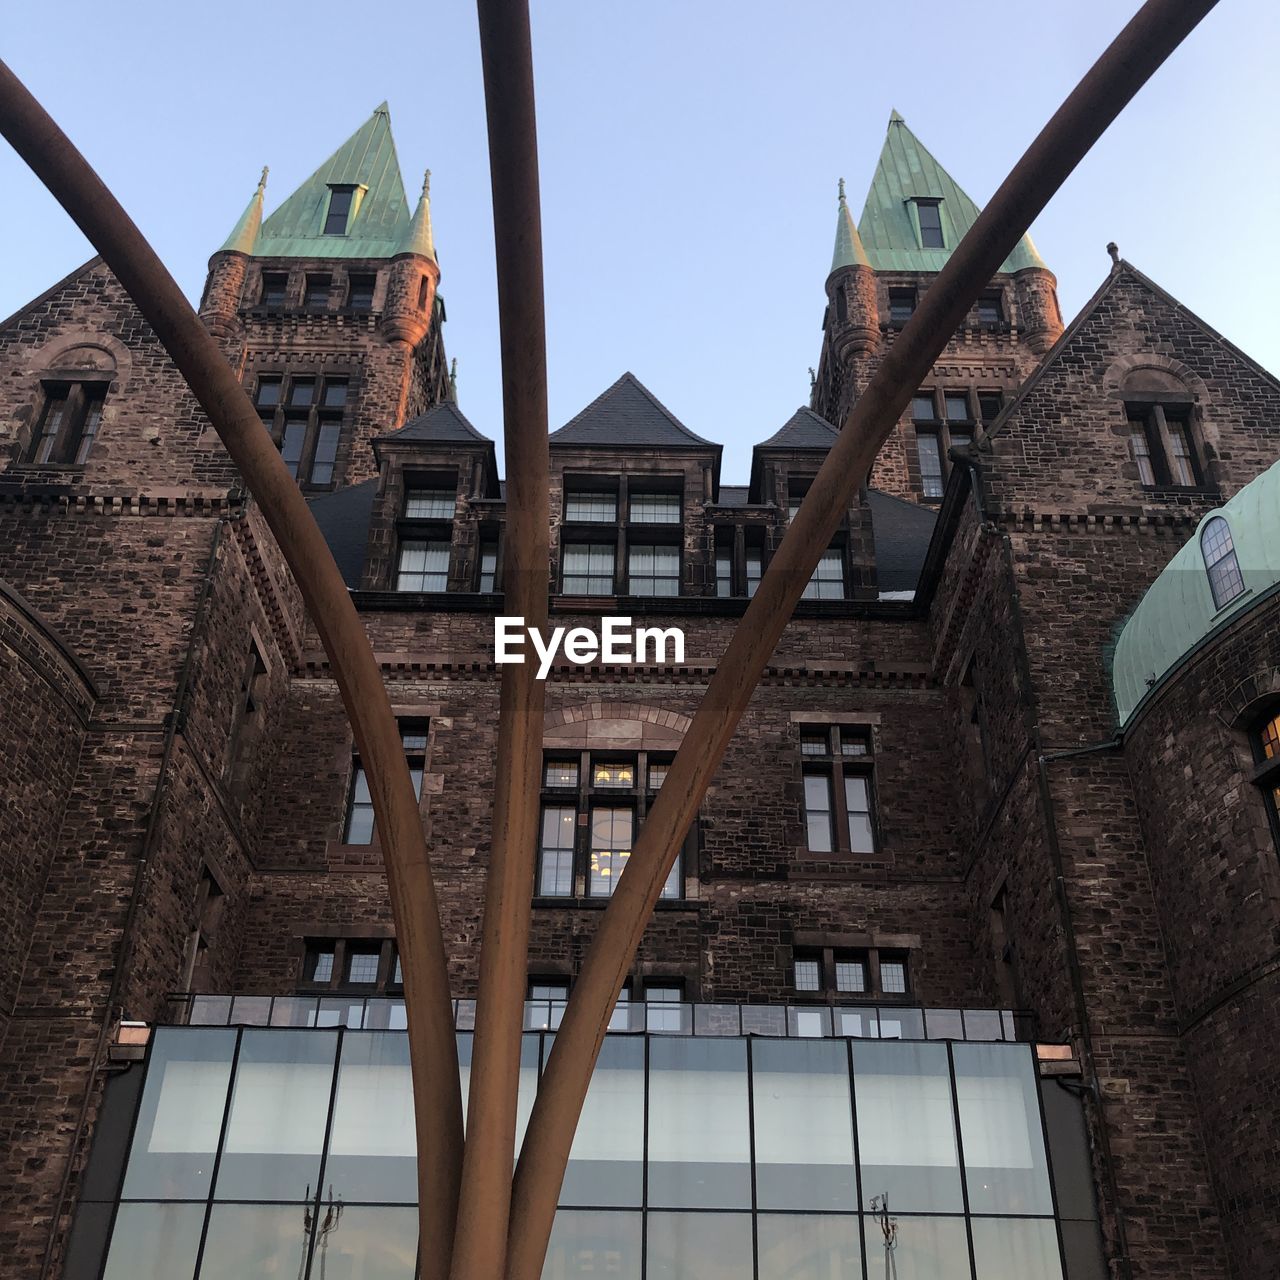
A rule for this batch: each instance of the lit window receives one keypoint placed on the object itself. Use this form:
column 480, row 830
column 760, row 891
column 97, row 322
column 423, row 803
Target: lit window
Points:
column 653, row 571
column 588, row 569
column 611, row 831
column 358, row 827
column 827, row 582
column 930, row 213
column 555, row 852
column 1220, row 562
column 929, row 451
column 69, row 422
column 340, row 198
column 655, row 508
column 1266, row 751
column 430, row 504
column 423, row 565
column 591, row 508
column 561, row 773
column 606, row 774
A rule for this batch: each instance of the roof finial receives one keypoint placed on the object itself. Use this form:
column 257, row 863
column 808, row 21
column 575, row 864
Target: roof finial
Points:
column 262, row 181
column 426, row 185
column 453, row 380
column 813, row 378
column 1114, row 250
column 841, row 187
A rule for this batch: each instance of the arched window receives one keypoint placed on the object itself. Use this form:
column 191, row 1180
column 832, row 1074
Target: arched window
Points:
column 1225, row 579
column 1266, row 752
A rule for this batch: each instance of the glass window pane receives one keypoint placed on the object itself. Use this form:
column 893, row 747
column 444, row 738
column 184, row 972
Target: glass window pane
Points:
column 827, row 582
column 920, row 1249
column 606, row 1164
column 851, row 975
column 893, row 977
column 804, row 1125
column 561, row 773
column 257, row 1240
column 808, row 975
column 1005, row 1166
column 699, row 1149
column 957, row 406
column 922, row 409
column 155, row 1242
column 588, row 568
column 176, row 1136
column 755, row 569
column 817, row 808
column 430, row 504
column 906, row 1129
column 372, row 1150
column 857, row 799
column 610, row 847
column 929, row 451
column 698, row 1246
column 591, row 508
column 613, row 774
column 586, row 1243
column 795, row 1246
column 1016, row 1249
column 279, row 1104
column 655, row 508
column 366, row 1243
column 555, row 863
column 362, row 966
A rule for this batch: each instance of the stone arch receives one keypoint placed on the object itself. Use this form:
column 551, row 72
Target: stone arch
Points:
column 1256, row 691
column 85, row 352
column 615, row 726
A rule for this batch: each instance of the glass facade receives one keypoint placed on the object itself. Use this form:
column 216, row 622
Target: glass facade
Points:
column 274, row 1151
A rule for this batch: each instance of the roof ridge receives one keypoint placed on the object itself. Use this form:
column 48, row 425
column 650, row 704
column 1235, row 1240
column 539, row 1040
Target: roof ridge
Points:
column 629, row 379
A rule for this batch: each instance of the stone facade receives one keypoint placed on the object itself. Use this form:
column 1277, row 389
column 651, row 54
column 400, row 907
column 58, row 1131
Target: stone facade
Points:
column 184, row 768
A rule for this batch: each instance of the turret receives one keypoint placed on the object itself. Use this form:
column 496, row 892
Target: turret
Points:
column 1037, row 292
column 853, row 317
column 414, row 275
column 227, row 268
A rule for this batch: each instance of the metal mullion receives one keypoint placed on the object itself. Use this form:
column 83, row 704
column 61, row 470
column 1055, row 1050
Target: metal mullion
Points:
column 964, row 1170
column 581, row 860
column 1048, row 1160
column 857, row 1155
column 324, row 1149
column 621, row 567
column 839, row 807
column 751, row 1139
column 644, row 1162
column 217, row 1156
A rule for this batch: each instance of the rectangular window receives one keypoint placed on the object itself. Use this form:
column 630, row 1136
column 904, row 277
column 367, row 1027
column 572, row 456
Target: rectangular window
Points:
column 930, row 213
column 989, row 404
column 808, row 973
column 362, row 966
column 755, row 569
column 1140, row 446
column 358, row 827
column 69, row 422
column 827, row 582
column 851, row 974
column 902, row 305
column 653, row 571
column 591, row 508
column 956, row 404
column 354, row 966
column 923, row 408
column 306, row 426
column 1182, row 458
column 663, row 999
column 316, row 297
column 655, row 508
column 335, row 222
column 893, row 975
column 545, row 1006
column 989, row 308
column 488, row 567
column 423, row 565
column 724, row 572
column 275, row 285
column 838, row 800
column 430, row 504
column 929, row 451
column 588, row 569
column 360, row 292
column 844, row 976
column 1163, row 446
column 591, row 808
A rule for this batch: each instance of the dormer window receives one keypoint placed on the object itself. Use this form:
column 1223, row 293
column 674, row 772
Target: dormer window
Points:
column 930, row 215
column 1220, row 562
column 341, row 199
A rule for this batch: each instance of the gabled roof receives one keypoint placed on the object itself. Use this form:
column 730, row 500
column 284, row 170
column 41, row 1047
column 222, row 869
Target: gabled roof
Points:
column 906, row 172
column 628, row 415
column 443, row 423
column 803, row 430
column 84, row 269
column 367, row 160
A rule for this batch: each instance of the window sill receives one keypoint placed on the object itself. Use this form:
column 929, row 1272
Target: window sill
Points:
column 1183, row 491
column 599, row 904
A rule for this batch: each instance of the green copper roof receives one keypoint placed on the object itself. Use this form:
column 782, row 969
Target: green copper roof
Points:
column 849, row 251
column 889, row 228
column 380, row 221
column 1178, row 611
column 245, row 233
column 418, row 239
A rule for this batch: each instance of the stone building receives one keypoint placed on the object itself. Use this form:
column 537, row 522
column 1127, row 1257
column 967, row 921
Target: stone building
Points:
column 979, row 916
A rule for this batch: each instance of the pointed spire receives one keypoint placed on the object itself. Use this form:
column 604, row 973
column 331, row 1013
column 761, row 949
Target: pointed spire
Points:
column 418, row 238
column 453, row 381
column 849, row 251
column 245, row 233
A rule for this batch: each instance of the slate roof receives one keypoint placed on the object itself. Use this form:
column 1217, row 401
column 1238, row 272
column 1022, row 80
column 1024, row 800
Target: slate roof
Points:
column 367, row 159
column 905, row 172
column 628, row 414
column 734, row 495
column 902, row 531
column 803, row 430
column 443, row 423
column 344, row 518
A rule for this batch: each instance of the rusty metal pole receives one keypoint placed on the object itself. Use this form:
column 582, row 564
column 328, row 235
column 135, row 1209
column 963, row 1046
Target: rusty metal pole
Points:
column 432, row 1043
column 1135, row 54
column 506, row 54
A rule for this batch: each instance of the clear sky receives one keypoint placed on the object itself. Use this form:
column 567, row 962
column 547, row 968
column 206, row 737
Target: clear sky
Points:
column 689, row 151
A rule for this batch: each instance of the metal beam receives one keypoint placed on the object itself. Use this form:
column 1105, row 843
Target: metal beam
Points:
column 1128, row 63
column 432, row 1042
column 507, row 58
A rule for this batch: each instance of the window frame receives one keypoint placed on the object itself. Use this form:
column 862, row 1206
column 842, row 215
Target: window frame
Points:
column 933, row 203
column 1223, row 572
column 584, row 796
column 320, row 422
column 1163, row 424
column 78, row 423
column 937, row 430
column 412, row 728
column 427, row 531
column 837, row 766
column 903, row 301
column 342, row 949
column 1266, row 755
column 828, row 957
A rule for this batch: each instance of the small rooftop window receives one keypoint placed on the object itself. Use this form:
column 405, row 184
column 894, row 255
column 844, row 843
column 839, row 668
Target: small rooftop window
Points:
column 930, row 214
column 340, row 202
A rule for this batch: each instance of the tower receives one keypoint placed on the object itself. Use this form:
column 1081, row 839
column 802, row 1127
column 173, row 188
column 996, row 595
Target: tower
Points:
column 330, row 308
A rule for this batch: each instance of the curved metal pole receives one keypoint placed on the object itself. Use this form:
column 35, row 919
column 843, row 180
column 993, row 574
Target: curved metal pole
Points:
column 481, row 1241
column 1135, row 54
column 432, row 1043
